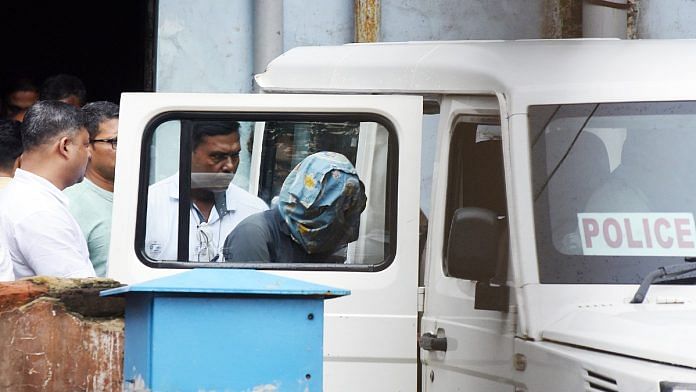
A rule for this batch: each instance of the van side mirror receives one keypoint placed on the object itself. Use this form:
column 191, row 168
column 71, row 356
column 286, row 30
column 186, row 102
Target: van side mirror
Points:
column 472, row 248
column 477, row 250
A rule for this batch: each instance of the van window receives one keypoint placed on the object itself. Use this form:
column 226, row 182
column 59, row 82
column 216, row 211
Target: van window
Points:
column 228, row 208
column 475, row 174
column 613, row 189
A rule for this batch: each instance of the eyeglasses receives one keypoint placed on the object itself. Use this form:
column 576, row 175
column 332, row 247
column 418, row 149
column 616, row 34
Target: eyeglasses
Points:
column 113, row 141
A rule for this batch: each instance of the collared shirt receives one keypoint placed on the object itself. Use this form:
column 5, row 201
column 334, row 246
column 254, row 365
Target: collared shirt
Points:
column 6, row 273
column 205, row 238
column 41, row 235
column 91, row 206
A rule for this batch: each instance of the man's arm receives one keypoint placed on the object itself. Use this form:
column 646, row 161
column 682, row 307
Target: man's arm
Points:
column 6, row 271
column 51, row 248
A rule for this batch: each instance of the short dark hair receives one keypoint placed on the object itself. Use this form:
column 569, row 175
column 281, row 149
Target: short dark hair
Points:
column 10, row 143
column 98, row 112
column 22, row 84
column 204, row 128
column 15, row 86
column 61, row 86
column 46, row 120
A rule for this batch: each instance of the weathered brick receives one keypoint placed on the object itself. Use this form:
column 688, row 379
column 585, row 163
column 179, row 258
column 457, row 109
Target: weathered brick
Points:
column 48, row 347
column 14, row 294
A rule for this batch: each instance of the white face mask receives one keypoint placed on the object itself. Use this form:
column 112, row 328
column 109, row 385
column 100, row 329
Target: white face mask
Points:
column 213, row 182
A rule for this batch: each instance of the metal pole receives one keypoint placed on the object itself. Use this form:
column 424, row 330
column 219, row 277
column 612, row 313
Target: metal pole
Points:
column 605, row 18
column 367, row 20
column 268, row 32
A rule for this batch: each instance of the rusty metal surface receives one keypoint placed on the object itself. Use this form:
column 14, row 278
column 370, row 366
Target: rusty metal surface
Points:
column 367, row 20
column 562, row 18
column 633, row 16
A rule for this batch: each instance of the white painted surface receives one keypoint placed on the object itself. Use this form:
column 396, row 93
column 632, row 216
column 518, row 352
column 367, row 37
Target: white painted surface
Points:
column 526, row 72
column 376, row 324
column 518, row 74
column 560, row 367
column 479, row 342
column 658, row 332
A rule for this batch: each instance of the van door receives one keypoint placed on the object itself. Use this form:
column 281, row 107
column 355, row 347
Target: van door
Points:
column 467, row 327
column 159, row 230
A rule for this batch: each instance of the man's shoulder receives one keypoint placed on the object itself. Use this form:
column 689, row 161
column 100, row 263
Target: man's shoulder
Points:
column 75, row 190
column 162, row 190
column 259, row 219
column 246, row 199
column 165, row 184
column 19, row 199
column 78, row 195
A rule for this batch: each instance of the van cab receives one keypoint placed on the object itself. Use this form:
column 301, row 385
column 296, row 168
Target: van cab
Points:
column 518, row 194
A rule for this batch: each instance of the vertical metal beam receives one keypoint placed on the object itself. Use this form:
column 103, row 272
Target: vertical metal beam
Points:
column 367, row 20
column 268, row 32
column 184, row 191
column 605, row 19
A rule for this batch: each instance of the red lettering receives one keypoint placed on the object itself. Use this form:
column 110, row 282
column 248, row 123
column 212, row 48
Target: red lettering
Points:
column 665, row 243
column 683, row 232
column 615, row 242
column 646, row 230
column 629, row 235
column 591, row 229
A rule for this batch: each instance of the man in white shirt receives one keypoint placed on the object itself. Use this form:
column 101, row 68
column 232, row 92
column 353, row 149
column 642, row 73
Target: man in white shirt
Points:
column 10, row 151
column 39, row 232
column 217, row 205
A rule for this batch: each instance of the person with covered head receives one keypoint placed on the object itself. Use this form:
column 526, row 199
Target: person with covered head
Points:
column 317, row 214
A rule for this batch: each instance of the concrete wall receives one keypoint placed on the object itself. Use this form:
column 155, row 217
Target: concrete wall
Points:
column 412, row 20
column 204, row 46
column 207, row 45
column 666, row 19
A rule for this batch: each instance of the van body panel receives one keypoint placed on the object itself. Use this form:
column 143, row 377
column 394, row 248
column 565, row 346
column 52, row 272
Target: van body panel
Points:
column 550, row 336
column 376, row 324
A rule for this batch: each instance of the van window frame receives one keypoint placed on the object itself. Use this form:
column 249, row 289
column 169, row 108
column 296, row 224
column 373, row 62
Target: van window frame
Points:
column 391, row 196
column 450, row 204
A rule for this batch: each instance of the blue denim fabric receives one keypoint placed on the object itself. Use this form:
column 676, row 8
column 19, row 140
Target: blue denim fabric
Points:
column 321, row 201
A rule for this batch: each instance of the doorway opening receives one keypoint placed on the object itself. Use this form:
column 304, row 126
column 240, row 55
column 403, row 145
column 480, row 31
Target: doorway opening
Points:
column 109, row 45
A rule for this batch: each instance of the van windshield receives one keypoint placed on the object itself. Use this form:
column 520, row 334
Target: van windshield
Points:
column 614, row 189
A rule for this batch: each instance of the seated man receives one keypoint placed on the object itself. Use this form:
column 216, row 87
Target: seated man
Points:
column 318, row 212
column 217, row 205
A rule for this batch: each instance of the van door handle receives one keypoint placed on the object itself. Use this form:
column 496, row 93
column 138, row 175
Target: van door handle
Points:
column 431, row 342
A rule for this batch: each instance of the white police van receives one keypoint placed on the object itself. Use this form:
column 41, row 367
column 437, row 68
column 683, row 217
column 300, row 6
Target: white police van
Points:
column 562, row 178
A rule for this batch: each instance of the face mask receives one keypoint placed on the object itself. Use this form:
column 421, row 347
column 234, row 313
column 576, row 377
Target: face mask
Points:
column 214, row 182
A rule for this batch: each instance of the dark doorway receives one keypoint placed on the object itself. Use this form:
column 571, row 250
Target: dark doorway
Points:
column 107, row 44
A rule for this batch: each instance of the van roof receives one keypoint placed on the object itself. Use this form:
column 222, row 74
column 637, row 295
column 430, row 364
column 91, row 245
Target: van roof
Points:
column 525, row 71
